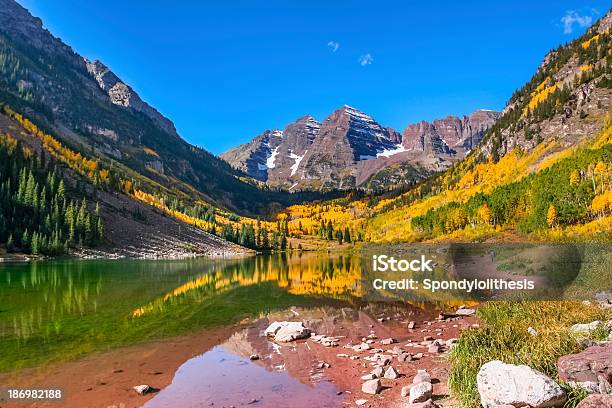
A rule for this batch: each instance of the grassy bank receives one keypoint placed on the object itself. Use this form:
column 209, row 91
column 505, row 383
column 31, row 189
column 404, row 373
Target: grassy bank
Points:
column 503, row 336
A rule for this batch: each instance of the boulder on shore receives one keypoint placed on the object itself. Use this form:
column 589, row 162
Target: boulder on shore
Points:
column 420, row 392
column 287, row 331
column 371, row 387
column 587, row 365
column 517, row 385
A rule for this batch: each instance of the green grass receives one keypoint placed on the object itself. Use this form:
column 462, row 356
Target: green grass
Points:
column 503, row 336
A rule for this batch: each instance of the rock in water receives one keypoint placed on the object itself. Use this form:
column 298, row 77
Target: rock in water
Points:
column 142, row 389
column 596, row 401
column 420, row 392
column 371, row 387
column 587, row 365
column 287, row 331
column 508, row 384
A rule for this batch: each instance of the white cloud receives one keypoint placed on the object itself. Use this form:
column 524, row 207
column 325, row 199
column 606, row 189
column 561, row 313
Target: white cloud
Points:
column 365, row 59
column 333, row 45
column 571, row 17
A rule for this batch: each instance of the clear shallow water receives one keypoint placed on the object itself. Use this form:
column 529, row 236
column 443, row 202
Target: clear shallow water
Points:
column 53, row 311
column 221, row 378
column 61, row 310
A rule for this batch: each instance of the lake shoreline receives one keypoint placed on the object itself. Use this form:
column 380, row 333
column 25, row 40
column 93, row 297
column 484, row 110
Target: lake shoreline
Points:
column 106, row 378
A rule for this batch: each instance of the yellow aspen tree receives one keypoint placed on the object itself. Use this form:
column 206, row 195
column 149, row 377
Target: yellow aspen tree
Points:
column 551, row 215
column 484, row 214
column 574, row 177
column 600, row 170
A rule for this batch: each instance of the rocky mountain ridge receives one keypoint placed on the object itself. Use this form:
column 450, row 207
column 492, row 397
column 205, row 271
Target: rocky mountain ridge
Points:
column 350, row 149
column 91, row 109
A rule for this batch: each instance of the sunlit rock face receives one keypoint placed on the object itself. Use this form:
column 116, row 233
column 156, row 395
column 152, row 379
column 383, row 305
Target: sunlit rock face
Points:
column 350, row 149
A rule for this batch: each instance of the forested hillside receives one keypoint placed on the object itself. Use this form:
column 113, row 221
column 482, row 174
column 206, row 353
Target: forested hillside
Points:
column 542, row 172
column 89, row 109
column 36, row 215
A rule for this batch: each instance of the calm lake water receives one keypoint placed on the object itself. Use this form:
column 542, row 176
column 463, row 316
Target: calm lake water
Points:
column 56, row 311
column 62, row 309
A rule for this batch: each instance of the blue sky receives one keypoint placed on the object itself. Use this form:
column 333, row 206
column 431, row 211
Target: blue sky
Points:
column 224, row 72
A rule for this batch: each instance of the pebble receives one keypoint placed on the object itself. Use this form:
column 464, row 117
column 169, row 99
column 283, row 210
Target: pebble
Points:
column 141, row 389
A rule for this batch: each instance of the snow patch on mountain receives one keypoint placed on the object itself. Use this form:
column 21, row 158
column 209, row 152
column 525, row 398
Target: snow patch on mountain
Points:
column 390, row 152
column 298, row 160
column 270, row 160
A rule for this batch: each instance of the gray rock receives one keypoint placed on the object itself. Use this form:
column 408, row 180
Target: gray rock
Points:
column 388, row 341
column 465, row 312
column 590, row 387
column 604, row 385
column 378, row 372
column 368, row 377
column 585, row 328
column 287, row 331
column 391, row 373
column 433, row 348
column 518, row 385
column 361, row 347
column 421, row 376
column 402, row 357
column 142, row 389
column 604, row 297
column 420, row 392
column 396, row 350
column 371, row 387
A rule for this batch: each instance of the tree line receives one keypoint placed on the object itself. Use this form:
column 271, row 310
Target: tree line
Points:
column 36, row 214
